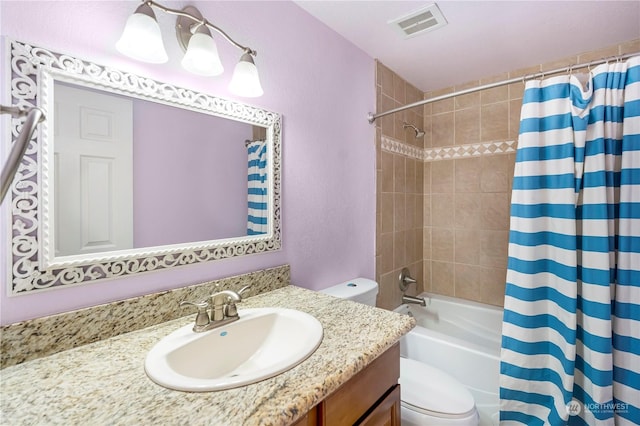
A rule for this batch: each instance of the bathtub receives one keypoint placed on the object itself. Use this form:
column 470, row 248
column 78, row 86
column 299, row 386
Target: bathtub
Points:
column 461, row 338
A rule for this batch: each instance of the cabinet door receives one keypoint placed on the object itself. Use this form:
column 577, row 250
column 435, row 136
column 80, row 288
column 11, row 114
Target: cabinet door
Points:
column 310, row 419
column 387, row 412
column 363, row 391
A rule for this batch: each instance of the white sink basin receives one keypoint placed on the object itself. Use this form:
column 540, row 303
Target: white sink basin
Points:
column 263, row 343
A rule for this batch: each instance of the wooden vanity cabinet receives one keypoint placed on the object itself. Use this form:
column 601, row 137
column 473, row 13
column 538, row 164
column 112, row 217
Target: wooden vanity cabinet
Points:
column 386, row 412
column 309, row 419
column 371, row 397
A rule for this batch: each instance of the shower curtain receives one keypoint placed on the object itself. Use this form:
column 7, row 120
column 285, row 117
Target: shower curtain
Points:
column 257, row 188
column 571, row 328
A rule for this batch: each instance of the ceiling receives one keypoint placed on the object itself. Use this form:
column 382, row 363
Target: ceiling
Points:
column 482, row 38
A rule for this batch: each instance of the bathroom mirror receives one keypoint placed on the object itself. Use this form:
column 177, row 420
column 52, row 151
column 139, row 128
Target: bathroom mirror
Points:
column 129, row 175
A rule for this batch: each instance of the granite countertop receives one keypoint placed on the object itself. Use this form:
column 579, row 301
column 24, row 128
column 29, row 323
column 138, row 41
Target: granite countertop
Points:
column 105, row 383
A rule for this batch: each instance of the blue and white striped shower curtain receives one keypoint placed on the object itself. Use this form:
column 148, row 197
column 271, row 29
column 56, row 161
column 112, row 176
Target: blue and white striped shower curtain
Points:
column 571, row 329
column 257, row 188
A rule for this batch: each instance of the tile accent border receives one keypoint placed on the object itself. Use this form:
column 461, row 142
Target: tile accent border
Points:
column 469, row 150
column 397, row 147
column 36, row 338
column 448, row 152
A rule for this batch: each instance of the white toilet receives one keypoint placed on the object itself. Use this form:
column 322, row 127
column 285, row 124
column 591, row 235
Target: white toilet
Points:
column 429, row 396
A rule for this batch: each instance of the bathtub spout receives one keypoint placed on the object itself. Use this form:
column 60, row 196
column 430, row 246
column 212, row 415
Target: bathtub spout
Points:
column 411, row 299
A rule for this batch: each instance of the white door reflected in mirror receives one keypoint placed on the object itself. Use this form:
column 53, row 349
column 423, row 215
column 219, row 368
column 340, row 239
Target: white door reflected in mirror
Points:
column 93, row 165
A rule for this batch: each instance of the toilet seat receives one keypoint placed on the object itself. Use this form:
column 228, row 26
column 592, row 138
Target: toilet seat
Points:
column 428, row 390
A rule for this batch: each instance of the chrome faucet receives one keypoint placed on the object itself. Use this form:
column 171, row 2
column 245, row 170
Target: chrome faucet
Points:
column 219, row 302
column 412, row 299
column 223, row 309
column 202, row 317
column 403, row 281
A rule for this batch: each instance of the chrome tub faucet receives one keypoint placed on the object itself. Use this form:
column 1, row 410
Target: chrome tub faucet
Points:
column 411, row 299
column 403, row 281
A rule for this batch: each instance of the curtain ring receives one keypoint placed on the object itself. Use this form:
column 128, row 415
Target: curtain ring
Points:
column 528, row 77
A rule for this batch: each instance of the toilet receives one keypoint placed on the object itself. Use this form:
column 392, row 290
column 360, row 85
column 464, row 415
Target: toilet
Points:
column 429, row 396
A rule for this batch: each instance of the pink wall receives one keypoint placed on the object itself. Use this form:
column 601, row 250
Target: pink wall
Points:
column 322, row 85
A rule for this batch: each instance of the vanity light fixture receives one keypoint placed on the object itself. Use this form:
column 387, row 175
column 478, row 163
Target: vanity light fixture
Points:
column 201, row 56
column 142, row 40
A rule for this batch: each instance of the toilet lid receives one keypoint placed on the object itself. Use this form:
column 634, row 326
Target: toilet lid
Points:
column 431, row 389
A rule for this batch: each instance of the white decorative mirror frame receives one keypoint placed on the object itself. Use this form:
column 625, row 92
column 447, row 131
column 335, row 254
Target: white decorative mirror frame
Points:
column 32, row 267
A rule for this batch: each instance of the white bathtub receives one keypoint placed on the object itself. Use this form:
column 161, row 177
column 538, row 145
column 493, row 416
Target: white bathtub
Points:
column 462, row 338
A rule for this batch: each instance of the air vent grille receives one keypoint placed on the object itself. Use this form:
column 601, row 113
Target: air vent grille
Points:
column 420, row 21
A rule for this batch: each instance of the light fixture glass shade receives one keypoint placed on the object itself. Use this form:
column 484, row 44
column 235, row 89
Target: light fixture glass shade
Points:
column 141, row 38
column 201, row 56
column 245, row 80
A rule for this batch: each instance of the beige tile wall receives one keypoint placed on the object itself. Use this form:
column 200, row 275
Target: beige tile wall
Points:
column 466, row 219
column 399, row 239
column 466, row 209
column 458, row 209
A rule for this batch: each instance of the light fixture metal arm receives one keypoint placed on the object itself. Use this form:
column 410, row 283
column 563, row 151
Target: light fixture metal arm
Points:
column 230, row 40
column 200, row 21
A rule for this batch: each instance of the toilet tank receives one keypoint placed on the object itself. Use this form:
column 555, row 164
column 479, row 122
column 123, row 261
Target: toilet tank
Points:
column 362, row 290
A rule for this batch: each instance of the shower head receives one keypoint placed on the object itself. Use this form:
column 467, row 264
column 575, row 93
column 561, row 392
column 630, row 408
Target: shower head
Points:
column 419, row 133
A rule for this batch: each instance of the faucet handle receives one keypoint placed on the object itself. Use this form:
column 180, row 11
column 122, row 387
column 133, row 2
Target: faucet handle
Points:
column 405, row 279
column 202, row 317
column 230, row 309
column 220, row 302
column 243, row 289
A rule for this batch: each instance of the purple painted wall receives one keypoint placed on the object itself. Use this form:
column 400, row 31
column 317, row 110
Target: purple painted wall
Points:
column 322, row 85
column 190, row 176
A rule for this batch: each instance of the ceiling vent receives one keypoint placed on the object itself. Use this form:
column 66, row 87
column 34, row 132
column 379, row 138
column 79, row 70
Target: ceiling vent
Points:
column 420, row 21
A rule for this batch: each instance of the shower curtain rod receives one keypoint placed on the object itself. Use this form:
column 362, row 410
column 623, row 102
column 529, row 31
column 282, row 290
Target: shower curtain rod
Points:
column 34, row 116
column 372, row 117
